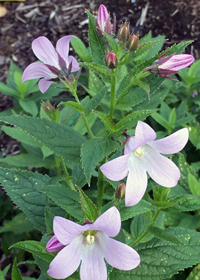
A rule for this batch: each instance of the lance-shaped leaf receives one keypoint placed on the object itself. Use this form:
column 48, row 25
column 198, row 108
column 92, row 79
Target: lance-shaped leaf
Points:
column 15, row 271
column 75, row 106
column 80, row 49
column 101, row 70
column 88, row 207
column 59, row 138
column 161, row 259
column 36, row 248
column 93, row 151
column 185, row 202
column 97, row 44
column 164, row 235
column 94, row 102
column 111, row 127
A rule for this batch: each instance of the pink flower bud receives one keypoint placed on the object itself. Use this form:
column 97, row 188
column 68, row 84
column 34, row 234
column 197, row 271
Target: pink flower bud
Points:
column 103, row 22
column 132, row 43
column 54, row 245
column 120, row 192
column 124, row 32
column 111, row 60
column 171, row 64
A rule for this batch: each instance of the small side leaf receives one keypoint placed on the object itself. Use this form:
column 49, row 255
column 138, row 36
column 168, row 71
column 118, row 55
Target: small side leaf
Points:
column 88, row 207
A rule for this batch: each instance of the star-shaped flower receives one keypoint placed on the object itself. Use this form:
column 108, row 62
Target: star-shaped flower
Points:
column 142, row 155
column 56, row 62
column 87, row 245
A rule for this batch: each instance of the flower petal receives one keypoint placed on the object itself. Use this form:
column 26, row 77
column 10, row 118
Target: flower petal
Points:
column 136, row 182
column 62, row 46
column 66, row 230
column 109, row 222
column 75, row 65
column 67, row 260
column 172, row 144
column 93, row 266
column 177, row 62
column 143, row 134
column 116, row 169
column 44, row 85
column 161, row 169
column 37, row 70
column 121, row 256
column 45, row 51
column 54, row 245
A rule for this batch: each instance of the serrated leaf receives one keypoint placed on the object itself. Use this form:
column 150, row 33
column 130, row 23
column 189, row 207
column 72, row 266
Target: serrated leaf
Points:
column 164, row 235
column 195, row 273
column 132, row 211
column 22, row 188
column 185, row 202
column 75, row 106
column 131, row 119
column 36, row 248
column 51, row 134
column 65, row 198
column 94, row 102
column 185, row 169
column 194, row 185
column 161, row 259
column 15, row 271
column 88, row 207
column 93, row 151
column 101, row 70
column 107, row 122
column 97, row 44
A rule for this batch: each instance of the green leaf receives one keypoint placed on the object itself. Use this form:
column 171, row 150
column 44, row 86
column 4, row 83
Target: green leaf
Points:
column 161, row 259
column 80, row 49
column 29, row 107
column 6, row 90
column 18, row 225
column 93, row 151
column 97, row 44
column 185, row 202
column 195, row 273
column 107, row 122
column 172, row 117
column 36, row 248
column 52, row 135
column 132, row 211
column 65, row 198
column 22, row 188
column 131, row 119
column 185, row 169
column 164, row 235
column 94, row 102
column 138, row 226
column 4, row 272
column 194, row 185
column 159, row 119
column 88, row 207
column 78, row 176
column 15, row 271
column 101, row 70
column 75, row 106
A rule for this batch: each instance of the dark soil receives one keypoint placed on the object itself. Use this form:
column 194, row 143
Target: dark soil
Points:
column 25, row 21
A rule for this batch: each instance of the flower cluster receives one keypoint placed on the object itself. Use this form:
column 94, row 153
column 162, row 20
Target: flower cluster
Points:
column 87, row 245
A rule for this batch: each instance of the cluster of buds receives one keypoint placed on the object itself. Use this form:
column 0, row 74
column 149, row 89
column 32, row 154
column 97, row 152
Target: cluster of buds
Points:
column 131, row 40
column 103, row 22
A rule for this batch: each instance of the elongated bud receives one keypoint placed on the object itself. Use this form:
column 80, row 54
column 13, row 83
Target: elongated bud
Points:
column 132, row 43
column 103, row 22
column 120, row 192
column 111, row 60
column 124, row 32
column 54, row 245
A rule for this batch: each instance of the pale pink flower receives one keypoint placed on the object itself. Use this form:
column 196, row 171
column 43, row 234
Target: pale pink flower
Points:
column 56, row 62
column 87, row 245
column 142, row 155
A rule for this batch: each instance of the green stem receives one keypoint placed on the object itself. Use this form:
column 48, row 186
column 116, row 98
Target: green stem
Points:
column 112, row 93
column 145, row 233
column 84, row 116
column 69, row 182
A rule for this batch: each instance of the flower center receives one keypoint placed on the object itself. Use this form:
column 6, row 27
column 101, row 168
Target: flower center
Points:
column 89, row 236
column 138, row 152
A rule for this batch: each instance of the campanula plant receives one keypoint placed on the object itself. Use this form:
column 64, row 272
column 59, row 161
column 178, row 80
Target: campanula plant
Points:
column 116, row 195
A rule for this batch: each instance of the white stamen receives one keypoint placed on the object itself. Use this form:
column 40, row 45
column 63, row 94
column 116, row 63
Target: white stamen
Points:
column 138, row 152
column 90, row 239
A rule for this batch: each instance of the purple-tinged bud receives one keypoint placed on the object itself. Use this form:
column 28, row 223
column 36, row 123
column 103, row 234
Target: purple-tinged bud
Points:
column 52, row 112
column 103, row 22
column 124, row 32
column 111, row 60
column 54, row 245
column 133, row 41
column 169, row 65
column 120, row 192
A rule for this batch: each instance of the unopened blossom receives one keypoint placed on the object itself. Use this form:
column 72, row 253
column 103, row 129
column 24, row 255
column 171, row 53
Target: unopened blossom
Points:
column 103, row 22
column 142, row 155
column 87, row 245
column 171, row 64
column 56, row 62
column 111, row 60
